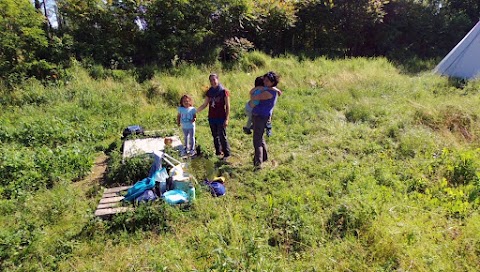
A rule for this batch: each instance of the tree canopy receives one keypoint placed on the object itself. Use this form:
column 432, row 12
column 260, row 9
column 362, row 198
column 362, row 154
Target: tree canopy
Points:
column 133, row 33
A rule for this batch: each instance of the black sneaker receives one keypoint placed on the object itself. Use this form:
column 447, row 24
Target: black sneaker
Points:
column 247, row 130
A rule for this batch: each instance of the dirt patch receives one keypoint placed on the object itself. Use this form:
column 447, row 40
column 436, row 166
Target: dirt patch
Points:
column 97, row 175
column 99, row 170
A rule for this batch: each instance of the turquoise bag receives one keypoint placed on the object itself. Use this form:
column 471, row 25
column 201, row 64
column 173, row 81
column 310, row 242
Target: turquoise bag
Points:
column 138, row 188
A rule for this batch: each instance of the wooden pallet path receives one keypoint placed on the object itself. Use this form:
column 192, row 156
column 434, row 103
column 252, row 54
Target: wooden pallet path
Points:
column 110, row 203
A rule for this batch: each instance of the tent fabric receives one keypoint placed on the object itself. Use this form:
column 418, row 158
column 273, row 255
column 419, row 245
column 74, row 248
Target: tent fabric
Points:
column 463, row 61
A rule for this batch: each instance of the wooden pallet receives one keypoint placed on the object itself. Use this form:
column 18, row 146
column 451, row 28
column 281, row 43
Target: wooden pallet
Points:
column 110, row 203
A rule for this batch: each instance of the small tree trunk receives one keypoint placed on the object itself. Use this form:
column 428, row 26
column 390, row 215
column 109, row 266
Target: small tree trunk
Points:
column 49, row 25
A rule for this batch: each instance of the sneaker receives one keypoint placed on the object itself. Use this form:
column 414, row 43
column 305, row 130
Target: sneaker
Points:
column 183, row 153
column 192, row 153
column 269, row 132
column 247, row 130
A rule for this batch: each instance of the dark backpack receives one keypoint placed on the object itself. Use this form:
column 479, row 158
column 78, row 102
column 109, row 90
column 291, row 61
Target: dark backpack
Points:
column 133, row 130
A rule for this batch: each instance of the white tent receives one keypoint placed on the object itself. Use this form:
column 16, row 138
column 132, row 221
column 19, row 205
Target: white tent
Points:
column 464, row 59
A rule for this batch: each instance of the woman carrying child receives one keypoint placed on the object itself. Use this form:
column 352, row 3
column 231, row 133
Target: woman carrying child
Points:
column 261, row 114
column 258, row 89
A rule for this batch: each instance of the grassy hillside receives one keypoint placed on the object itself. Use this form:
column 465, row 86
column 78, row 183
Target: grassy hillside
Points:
column 373, row 170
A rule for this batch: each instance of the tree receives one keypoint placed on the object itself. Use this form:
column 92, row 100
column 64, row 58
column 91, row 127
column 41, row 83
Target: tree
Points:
column 103, row 30
column 338, row 27
column 274, row 22
column 178, row 29
column 21, row 42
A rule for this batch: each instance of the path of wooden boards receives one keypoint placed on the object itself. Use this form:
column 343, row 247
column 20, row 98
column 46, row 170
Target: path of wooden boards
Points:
column 111, row 202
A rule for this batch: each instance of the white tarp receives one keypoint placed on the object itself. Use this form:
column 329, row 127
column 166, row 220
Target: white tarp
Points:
column 147, row 145
column 464, row 59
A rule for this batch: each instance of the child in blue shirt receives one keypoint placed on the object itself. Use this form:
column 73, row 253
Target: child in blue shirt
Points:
column 252, row 103
column 186, row 117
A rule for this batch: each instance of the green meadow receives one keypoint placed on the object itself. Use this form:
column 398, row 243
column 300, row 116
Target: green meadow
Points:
column 373, row 168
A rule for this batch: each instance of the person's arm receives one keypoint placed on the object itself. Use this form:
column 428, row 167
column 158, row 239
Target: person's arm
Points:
column 205, row 103
column 251, row 91
column 263, row 96
column 194, row 118
column 227, row 110
column 178, row 119
column 279, row 92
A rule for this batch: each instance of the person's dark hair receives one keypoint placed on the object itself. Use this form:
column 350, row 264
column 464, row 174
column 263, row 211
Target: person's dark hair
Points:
column 185, row 96
column 274, row 78
column 213, row 75
column 259, row 81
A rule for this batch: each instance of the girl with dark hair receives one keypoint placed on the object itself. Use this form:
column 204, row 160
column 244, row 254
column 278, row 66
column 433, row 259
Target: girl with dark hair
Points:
column 186, row 117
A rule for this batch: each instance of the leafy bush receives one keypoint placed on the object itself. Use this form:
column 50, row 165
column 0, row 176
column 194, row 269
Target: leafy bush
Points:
column 252, row 61
column 41, row 69
column 98, row 72
column 144, row 73
column 23, row 170
column 129, row 171
column 235, row 48
column 120, row 75
column 462, row 168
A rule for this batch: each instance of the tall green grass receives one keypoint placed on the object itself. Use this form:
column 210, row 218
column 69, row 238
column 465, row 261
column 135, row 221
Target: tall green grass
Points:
column 372, row 169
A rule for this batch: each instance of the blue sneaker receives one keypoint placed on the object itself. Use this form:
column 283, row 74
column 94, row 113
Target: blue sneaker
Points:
column 268, row 127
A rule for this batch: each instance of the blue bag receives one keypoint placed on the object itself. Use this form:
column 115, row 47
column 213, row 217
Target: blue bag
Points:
column 216, row 188
column 148, row 195
column 173, row 197
column 139, row 187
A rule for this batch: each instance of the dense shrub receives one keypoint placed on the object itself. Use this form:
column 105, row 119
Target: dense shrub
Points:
column 235, row 48
column 127, row 171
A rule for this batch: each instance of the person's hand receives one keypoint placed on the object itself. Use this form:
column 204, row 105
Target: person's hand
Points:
column 225, row 124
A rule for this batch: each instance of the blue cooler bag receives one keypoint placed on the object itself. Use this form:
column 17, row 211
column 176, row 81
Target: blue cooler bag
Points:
column 176, row 196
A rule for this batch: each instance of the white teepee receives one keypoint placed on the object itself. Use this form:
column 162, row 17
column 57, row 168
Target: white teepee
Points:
column 464, row 59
